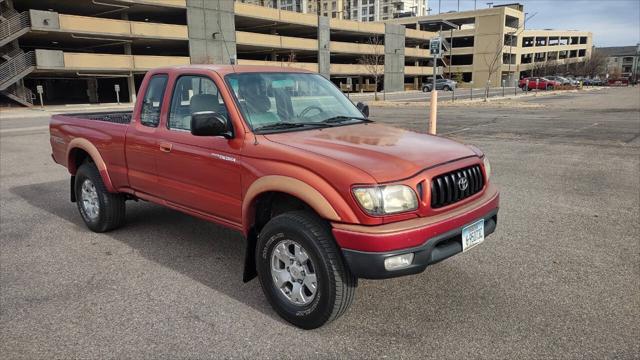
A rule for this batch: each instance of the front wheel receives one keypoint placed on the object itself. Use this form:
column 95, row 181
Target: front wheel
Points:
column 426, row 89
column 301, row 270
column 550, row 87
column 101, row 210
column 446, row 88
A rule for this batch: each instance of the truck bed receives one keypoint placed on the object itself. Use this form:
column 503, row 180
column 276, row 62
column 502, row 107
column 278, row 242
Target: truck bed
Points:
column 119, row 117
column 103, row 130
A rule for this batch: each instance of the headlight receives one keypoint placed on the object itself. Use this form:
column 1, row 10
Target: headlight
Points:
column 487, row 167
column 382, row 200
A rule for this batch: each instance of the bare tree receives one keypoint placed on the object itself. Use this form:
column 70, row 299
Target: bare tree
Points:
column 373, row 61
column 493, row 58
column 595, row 65
column 493, row 62
column 292, row 57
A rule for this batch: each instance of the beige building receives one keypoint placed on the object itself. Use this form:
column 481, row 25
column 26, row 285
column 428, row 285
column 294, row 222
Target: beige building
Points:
column 492, row 44
column 79, row 50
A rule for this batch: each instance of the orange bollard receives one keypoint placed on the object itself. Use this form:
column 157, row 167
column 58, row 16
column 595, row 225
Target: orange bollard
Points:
column 433, row 114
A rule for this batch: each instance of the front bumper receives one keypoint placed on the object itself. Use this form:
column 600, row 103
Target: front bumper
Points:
column 431, row 239
column 370, row 265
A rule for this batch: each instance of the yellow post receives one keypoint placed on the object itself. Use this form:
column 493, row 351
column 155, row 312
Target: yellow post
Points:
column 433, row 114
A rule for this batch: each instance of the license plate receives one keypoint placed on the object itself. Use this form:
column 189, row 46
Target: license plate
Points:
column 472, row 235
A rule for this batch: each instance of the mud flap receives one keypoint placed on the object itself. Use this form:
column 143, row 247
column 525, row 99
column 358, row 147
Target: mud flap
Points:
column 250, row 271
column 72, row 187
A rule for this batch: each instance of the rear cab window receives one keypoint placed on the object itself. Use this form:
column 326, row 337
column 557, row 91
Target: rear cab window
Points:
column 152, row 101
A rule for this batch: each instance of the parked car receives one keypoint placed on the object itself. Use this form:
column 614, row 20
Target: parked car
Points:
column 541, row 84
column 618, row 82
column 441, row 84
column 322, row 195
column 559, row 79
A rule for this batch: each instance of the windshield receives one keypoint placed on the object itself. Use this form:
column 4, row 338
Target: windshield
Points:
column 280, row 101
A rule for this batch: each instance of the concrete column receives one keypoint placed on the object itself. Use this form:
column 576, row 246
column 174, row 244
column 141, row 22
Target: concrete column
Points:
column 212, row 34
column 92, row 90
column 394, row 35
column 131, row 85
column 324, row 55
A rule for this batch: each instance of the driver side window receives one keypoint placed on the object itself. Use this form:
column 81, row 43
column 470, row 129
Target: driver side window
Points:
column 192, row 94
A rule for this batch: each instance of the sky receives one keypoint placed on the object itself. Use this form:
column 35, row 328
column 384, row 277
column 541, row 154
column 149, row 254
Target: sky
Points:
column 612, row 22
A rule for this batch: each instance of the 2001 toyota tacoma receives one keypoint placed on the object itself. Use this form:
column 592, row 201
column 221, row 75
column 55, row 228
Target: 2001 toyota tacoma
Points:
column 322, row 194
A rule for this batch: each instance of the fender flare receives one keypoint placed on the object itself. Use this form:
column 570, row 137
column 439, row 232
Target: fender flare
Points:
column 92, row 150
column 291, row 186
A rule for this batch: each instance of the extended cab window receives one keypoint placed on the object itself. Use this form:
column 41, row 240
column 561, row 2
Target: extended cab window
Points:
column 152, row 102
column 192, row 94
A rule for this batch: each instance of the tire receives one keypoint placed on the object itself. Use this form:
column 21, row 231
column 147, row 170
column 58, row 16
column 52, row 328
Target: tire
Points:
column 335, row 285
column 549, row 88
column 91, row 194
column 426, row 89
column 446, row 88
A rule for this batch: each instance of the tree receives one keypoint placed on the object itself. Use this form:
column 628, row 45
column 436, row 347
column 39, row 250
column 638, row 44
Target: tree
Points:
column 493, row 62
column 292, row 57
column 493, row 59
column 457, row 77
column 595, row 65
column 373, row 61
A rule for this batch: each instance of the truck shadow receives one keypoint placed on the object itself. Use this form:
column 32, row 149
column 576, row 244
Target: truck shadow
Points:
column 205, row 252
column 214, row 256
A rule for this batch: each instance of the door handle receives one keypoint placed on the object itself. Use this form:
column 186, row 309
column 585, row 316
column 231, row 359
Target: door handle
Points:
column 166, row 147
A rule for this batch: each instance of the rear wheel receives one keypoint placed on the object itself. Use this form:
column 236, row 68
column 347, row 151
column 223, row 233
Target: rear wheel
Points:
column 549, row 87
column 446, row 88
column 301, row 271
column 101, row 210
column 426, row 89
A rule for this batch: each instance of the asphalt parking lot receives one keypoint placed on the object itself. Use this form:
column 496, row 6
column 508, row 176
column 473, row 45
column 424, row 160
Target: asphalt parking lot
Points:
column 560, row 278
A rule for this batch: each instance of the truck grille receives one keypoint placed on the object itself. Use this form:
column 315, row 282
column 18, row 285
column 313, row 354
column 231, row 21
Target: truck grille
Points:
column 450, row 187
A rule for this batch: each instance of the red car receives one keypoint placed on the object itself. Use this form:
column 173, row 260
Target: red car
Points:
column 539, row 83
column 322, row 194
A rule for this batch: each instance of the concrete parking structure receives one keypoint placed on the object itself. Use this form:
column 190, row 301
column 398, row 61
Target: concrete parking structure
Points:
column 78, row 51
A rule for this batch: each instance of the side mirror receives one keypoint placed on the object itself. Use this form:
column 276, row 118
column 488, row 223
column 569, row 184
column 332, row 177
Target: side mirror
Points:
column 209, row 123
column 364, row 108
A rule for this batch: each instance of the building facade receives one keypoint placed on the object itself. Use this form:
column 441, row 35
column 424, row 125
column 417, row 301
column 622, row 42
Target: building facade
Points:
column 358, row 10
column 492, row 44
column 382, row 10
column 77, row 51
column 622, row 61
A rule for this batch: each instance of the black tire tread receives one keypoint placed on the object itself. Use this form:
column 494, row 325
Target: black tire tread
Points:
column 114, row 210
column 343, row 281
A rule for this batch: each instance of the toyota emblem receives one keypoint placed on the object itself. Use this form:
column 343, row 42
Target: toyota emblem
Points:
column 463, row 183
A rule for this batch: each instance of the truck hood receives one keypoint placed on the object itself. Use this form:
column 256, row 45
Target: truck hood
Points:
column 386, row 153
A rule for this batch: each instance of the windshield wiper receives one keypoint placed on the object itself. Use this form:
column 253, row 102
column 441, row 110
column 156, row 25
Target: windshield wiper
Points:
column 342, row 118
column 288, row 125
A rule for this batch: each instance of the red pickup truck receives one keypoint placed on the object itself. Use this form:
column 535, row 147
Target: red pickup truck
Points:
column 322, row 194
